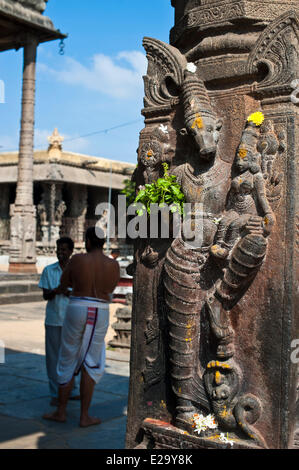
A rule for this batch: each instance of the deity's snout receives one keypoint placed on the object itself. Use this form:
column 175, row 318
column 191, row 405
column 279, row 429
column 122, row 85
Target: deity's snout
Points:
column 207, row 146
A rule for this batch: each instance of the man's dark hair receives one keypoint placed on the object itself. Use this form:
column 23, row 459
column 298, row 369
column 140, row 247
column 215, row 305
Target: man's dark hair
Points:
column 95, row 241
column 67, row 241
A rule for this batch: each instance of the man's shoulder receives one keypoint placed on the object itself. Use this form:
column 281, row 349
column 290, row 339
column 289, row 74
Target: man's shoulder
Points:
column 112, row 263
column 110, row 260
column 51, row 267
column 79, row 257
column 48, row 276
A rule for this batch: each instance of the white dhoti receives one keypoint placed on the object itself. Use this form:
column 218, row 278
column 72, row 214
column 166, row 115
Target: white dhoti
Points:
column 83, row 339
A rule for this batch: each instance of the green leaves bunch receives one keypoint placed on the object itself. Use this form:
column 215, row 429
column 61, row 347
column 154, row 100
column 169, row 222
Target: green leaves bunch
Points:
column 164, row 191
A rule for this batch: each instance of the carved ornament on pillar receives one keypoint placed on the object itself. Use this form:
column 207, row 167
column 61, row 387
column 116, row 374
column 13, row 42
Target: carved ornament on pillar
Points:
column 51, row 210
column 277, row 50
column 78, row 210
column 22, row 234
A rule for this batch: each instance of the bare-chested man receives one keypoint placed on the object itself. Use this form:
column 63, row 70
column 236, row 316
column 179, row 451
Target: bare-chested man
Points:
column 93, row 277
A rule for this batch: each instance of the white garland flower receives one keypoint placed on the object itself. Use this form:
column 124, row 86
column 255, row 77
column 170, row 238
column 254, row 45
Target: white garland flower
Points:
column 191, row 67
column 163, row 129
column 202, row 423
column 211, row 422
column 224, row 439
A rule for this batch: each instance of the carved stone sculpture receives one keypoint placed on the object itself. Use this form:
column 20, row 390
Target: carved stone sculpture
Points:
column 214, row 308
column 51, row 210
column 38, row 5
column 122, row 327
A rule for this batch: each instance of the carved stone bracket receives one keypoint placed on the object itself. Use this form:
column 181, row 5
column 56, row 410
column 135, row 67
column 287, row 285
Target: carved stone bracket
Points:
column 166, row 66
column 277, row 51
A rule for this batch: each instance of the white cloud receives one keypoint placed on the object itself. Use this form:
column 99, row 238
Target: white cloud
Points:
column 119, row 77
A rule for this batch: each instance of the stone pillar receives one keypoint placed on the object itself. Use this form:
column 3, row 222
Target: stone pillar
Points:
column 4, row 212
column 23, row 212
column 51, row 210
column 78, row 210
column 215, row 323
column 82, row 210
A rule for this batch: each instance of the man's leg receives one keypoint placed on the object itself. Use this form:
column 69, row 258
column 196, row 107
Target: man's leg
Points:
column 60, row 414
column 86, row 392
column 53, row 340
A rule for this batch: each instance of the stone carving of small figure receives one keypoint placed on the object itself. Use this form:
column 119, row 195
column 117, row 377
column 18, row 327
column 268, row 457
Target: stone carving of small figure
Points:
column 60, row 210
column 29, row 237
column 246, row 193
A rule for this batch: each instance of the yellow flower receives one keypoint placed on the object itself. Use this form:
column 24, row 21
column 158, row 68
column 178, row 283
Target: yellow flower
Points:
column 258, row 118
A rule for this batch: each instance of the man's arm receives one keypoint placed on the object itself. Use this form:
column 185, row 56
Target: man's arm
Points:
column 49, row 294
column 45, row 285
column 115, row 275
column 66, row 277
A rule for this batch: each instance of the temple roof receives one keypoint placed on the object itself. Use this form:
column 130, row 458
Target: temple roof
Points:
column 68, row 167
column 18, row 17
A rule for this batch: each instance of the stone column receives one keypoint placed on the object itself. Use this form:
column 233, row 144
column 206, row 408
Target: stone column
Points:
column 78, row 212
column 51, row 210
column 23, row 212
column 57, row 210
column 4, row 212
column 215, row 323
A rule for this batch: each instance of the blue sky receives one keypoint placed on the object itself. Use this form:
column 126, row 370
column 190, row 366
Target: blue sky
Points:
column 97, row 84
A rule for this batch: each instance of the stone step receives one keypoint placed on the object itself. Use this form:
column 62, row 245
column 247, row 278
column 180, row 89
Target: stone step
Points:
column 20, row 298
column 19, row 277
column 18, row 287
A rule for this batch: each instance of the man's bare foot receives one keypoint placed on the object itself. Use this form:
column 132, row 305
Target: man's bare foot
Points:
column 89, row 421
column 58, row 417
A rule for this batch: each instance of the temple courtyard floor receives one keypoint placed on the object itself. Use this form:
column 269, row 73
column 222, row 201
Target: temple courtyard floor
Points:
column 24, row 391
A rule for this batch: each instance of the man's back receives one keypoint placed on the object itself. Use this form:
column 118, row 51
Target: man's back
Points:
column 92, row 275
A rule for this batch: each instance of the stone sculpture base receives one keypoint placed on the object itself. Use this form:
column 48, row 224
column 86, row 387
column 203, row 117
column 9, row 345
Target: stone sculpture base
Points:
column 161, row 435
column 22, row 268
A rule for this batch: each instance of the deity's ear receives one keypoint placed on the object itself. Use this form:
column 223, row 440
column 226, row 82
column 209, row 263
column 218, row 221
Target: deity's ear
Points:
column 219, row 124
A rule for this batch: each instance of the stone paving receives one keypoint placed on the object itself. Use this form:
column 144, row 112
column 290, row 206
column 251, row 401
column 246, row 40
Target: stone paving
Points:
column 24, row 393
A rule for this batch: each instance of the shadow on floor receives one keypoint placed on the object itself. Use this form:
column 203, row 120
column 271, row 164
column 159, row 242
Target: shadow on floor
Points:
column 24, row 398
